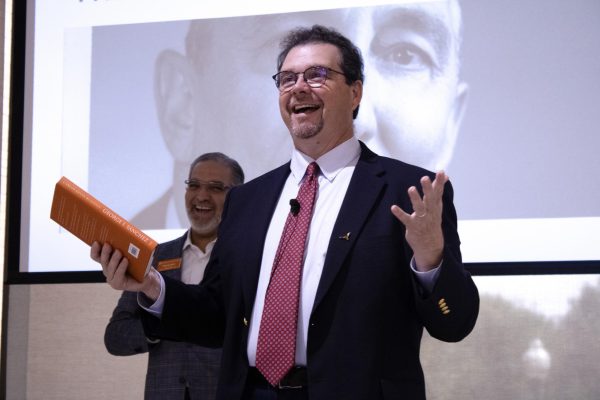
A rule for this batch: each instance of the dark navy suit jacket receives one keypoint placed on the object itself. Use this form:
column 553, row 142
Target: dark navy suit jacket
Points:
column 369, row 312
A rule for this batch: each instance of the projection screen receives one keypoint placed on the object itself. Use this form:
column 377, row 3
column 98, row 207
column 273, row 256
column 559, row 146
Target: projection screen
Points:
column 121, row 95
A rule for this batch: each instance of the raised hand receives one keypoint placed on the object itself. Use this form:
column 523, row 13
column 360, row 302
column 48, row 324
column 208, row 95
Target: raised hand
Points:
column 424, row 226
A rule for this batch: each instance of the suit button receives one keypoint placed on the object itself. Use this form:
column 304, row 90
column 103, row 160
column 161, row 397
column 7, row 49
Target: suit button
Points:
column 443, row 306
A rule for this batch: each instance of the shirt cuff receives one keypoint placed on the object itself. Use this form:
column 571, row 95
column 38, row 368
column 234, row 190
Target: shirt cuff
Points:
column 155, row 308
column 427, row 279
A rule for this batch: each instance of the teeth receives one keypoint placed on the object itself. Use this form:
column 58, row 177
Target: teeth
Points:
column 305, row 107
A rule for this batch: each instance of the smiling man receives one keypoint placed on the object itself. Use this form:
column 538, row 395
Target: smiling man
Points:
column 327, row 268
column 180, row 370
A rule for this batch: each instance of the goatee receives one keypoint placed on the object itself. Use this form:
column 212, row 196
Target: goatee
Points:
column 307, row 130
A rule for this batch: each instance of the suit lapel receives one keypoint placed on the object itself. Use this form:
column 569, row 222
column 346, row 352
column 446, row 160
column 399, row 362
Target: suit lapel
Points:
column 270, row 187
column 175, row 250
column 363, row 191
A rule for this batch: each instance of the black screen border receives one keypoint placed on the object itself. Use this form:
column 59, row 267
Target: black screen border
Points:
column 15, row 171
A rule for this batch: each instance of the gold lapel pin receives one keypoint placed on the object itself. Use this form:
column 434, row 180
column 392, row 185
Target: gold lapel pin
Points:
column 346, row 236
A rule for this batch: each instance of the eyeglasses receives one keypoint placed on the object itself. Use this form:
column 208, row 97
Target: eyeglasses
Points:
column 213, row 187
column 314, row 76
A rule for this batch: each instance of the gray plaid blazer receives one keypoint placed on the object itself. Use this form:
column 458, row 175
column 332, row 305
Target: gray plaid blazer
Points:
column 173, row 367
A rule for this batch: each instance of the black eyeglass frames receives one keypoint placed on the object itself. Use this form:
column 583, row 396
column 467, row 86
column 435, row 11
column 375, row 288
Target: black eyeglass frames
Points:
column 314, row 76
column 212, row 187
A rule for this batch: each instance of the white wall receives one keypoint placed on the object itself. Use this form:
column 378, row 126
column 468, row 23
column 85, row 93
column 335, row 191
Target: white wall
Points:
column 55, row 347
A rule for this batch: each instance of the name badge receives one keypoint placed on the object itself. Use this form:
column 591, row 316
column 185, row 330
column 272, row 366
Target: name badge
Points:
column 166, row 265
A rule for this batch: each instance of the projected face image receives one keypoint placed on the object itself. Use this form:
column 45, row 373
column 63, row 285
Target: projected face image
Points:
column 219, row 96
column 413, row 100
column 412, row 103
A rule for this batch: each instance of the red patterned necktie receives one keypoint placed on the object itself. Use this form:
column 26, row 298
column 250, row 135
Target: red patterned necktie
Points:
column 276, row 350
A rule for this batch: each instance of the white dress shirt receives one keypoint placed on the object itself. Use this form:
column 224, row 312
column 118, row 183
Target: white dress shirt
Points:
column 336, row 169
column 194, row 260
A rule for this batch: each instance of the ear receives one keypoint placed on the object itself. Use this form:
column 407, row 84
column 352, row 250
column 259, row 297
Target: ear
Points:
column 174, row 83
column 357, row 90
column 453, row 125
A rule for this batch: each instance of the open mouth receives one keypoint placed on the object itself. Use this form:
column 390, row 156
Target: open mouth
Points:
column 305, row 108
column 201, row 209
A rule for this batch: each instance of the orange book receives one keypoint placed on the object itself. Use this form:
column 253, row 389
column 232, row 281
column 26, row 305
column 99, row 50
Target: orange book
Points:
column 91, row 221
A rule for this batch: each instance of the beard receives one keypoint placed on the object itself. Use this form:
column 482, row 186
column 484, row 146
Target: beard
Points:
column 306, row 130
column 207, row 228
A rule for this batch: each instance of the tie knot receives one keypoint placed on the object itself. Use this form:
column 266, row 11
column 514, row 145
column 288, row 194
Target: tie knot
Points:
column 312, row 169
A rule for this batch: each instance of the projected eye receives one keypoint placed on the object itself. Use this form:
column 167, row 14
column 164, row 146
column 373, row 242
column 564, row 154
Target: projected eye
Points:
column 410, row 56
column 405, row 56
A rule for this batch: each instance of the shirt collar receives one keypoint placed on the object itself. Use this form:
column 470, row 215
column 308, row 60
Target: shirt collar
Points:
column 188, row 243
column 331, row 163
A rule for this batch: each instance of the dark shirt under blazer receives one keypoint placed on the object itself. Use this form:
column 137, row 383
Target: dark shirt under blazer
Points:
column 172, row 366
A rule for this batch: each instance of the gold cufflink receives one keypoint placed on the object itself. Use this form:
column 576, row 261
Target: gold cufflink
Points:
column 245, row 322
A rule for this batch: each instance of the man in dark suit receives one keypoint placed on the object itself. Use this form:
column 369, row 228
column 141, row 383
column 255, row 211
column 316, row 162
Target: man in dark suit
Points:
column 381, row 262
column 178, row 370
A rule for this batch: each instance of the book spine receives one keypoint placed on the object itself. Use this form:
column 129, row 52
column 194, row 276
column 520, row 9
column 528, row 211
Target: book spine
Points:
column 77, row 212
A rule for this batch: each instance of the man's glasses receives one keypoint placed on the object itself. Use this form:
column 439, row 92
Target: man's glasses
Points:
column 213, row 187
column 314, row 76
